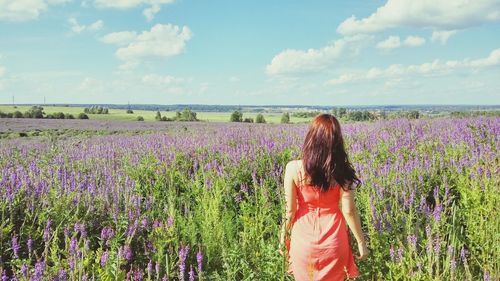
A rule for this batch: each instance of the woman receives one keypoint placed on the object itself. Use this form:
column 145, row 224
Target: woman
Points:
column 318, row 246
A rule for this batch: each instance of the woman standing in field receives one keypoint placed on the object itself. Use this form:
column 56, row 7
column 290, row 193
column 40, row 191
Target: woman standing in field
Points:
column 318, row 246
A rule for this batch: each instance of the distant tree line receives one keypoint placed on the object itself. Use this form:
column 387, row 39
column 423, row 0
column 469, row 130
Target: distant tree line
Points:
column 491, row 113
column 96, row 110
column 186, row 115
column 36, row 112
column 305, row 114
column 237, row 116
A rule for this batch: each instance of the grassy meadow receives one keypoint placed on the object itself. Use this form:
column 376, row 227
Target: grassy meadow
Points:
column 204, row 201
column 149, row 115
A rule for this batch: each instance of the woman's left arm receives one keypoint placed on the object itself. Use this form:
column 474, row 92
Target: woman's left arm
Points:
column 291, row 201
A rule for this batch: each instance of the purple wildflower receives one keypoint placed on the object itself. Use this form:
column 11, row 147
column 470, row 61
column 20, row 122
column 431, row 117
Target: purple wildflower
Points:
column 73, row 245
column 127, row 253
column 62, row 275
column 24, row 270
column 39, row 271
column 138, row 275
column 15, row 246
column 412, row 240
column 183, row 252
column 170, row 221
column 191, row 273
column 47, row 230
column 104, row 258
column 29, row 244
column 157, row 269
column 400, row 254
column 486, row 276
column 150, row 268
column 199, row 260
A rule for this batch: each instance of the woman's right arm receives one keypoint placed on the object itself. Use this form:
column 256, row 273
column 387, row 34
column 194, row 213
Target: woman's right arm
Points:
column 351, row 216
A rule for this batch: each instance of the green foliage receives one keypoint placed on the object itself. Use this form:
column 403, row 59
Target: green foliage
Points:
column 305, row 114
column 17, row 114
column 158, row 197
column 285, row 118
column 139, row 118
column 34, row 112
column 260, row 118
column 96, row 110
column 158, row 116
column 248, row 120
column 236, row 116
column 82, row 116
column 357, row 115
column 186, row 115
column 58, row 115
column 130, row 111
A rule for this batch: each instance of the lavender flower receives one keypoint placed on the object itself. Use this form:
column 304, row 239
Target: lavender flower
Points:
column 62, row 275
column 191, row 273
column 170, row 221
column 127, row 253
column 39, row 271
column 199, row 260
column 104, row 258
column 24, row 270
column 391, row 253
column 150, row 268
column 47, row 230
column 15, row 246
column 29, row 244
column 412, row 240
column 183, row 252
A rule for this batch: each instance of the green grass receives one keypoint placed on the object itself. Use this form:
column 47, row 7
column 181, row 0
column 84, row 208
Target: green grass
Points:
column 149, row 115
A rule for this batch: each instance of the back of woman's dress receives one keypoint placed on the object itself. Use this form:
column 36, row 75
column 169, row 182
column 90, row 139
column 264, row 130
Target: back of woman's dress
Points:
column 319, row 247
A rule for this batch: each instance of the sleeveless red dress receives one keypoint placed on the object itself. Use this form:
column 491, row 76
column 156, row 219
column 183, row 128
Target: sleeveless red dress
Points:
column 319, row 246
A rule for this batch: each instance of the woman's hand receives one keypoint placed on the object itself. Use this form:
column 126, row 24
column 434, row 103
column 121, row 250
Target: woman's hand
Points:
column 363, row 251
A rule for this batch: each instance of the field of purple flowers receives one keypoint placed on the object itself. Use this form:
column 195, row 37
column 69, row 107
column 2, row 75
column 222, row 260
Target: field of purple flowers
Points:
column 204, row 202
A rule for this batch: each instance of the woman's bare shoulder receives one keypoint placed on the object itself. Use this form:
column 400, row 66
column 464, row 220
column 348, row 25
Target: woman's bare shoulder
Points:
column 294, row 165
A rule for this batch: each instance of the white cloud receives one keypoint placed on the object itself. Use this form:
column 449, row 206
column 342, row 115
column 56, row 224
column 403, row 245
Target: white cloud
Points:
column 153, row 6
column 435, row 14
column 390, row 43
column 393, row 42
column 79, row 28
column 414, row 41
column 442, row 36
column 24, row 10
column 150, row 12
column 161, row 41
column 98, row 25
column 292, row 61
column 120, row 38
column 434, row 68
column 159, row 80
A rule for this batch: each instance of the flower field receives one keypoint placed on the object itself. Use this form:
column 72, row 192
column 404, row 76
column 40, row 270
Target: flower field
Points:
column 204, row 202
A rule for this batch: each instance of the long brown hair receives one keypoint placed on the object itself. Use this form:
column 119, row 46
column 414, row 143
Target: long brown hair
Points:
column 324, row 156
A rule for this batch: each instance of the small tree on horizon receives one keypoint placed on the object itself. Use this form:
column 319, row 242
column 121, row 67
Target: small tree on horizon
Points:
column 260, row 118
column 236, row 116
column 158, row 116
column 285, row 118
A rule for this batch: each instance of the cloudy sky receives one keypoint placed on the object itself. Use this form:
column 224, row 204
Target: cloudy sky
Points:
column 250, row 52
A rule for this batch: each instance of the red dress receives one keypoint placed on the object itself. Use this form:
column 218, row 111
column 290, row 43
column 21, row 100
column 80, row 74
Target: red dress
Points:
column 319, row 246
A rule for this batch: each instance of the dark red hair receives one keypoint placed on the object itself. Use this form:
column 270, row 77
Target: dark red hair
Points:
column 324, row 156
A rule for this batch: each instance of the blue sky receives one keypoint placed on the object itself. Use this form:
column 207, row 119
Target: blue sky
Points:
column 250, row 52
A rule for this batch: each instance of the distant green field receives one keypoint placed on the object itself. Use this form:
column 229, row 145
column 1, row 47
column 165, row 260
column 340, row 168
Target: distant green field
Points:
column 148, row 115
